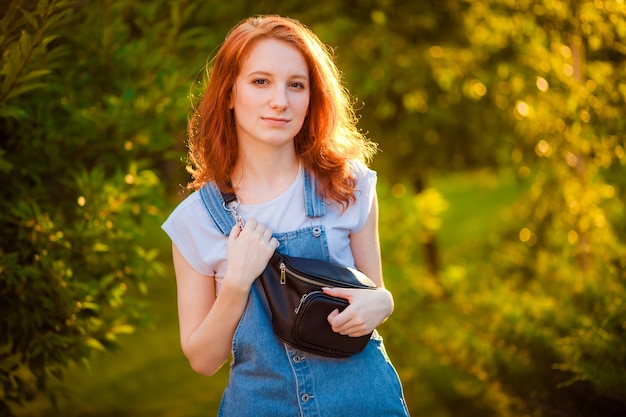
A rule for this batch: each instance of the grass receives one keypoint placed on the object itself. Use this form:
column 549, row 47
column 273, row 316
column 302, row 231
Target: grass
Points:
column 149, row 376
column 476, row 201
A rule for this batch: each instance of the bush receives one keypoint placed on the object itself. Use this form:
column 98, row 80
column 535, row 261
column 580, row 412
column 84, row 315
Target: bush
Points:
column 89, row 101
column 512, row 326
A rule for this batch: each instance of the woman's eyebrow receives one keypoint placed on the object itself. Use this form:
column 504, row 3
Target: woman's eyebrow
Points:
column 269, row 74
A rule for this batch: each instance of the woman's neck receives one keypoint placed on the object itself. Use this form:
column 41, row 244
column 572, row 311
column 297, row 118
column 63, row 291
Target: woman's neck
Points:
column 261, row 178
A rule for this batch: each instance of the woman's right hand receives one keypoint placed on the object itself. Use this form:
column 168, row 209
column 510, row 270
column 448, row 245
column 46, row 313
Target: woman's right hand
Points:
column 249, row 251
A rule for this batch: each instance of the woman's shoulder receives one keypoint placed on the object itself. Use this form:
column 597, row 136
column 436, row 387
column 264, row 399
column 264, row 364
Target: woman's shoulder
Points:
column 192, row 229
column 188, row 203
column 360, row 170
column 189, row 214
column 365, row 177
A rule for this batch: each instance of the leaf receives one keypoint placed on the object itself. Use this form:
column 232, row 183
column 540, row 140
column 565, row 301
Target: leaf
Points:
column 8, row 17
column 94, row 344
column 23, row 89
column 5, row 165
column 30, row 18
column 26, row 42
column 89, row 305
column 123, row 329
column 143, row 288
column 9, row 69
column 54, row 55
column 101, row 247
column 48, row 39
column 35, row 74
column 14, row 112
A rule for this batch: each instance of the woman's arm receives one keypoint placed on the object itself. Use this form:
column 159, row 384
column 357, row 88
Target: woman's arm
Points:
column 206, row 325
column 207, row 322
column 367, row 308
column 365, row 245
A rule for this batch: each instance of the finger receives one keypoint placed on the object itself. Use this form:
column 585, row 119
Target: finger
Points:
column 351, row 328
column 337, row 319
column 331, row 318
column 346, row 330
column 357, row 333
column 337, row 292
column 275, row 243
column 251, row 224
column 235, row 231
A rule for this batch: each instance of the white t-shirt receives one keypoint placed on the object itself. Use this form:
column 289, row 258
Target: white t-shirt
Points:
column 204, row 247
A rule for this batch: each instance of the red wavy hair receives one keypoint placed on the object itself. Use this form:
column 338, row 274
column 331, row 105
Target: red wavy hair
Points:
column 329, row 139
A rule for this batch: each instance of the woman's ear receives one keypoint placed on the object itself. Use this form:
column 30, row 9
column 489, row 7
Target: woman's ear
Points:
column 231, row 101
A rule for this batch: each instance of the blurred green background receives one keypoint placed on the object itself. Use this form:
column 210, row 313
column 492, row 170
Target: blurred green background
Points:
column 501, row 186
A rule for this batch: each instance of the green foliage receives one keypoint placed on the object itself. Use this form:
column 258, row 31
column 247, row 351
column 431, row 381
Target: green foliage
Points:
column 569, row 104
column 534, row 317
column 90, row 99
column 525, row 316
column 24, row 41
column 411, row 78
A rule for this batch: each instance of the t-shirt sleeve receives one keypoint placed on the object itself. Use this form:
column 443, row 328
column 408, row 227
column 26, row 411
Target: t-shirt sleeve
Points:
column 365, row 193
column 193, row 232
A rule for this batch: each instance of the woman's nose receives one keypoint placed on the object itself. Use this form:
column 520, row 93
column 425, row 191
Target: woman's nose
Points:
column 279, row 99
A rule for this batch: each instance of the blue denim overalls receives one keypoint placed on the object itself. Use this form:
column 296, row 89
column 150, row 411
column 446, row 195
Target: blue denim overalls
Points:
column 270, row 378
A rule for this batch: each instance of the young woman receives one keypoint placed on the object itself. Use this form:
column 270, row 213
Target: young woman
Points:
column 276, row 128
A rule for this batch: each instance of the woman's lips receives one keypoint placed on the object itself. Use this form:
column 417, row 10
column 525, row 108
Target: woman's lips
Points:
column 276, row 121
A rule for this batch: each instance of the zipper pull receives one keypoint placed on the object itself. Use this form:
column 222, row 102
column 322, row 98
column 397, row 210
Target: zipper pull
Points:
column 300, row 303
column 283, row 277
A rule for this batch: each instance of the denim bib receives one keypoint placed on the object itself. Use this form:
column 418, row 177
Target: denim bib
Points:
column 269, row 378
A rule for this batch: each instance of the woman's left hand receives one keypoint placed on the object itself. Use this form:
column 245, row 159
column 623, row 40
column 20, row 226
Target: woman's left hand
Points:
column 367, row 309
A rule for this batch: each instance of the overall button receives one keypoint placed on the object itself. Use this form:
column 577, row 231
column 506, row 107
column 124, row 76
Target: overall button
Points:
column 317, row 231
column 305, row 398
column 297, row 358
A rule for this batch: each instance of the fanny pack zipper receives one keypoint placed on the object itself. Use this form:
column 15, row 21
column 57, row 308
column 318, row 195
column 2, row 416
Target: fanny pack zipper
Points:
column 283, row 277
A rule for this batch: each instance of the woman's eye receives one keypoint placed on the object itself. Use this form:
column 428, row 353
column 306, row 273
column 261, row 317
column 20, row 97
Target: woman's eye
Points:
column 297, row 85
column 260, row 81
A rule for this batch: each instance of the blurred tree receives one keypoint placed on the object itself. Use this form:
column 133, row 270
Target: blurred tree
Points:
column 90, row 99
column 423, row 100
column 541, row 331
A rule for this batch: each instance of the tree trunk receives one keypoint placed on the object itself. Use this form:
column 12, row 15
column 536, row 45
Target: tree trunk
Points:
column 430, row 249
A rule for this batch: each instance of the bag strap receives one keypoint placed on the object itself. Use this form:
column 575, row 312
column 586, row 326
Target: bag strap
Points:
column 216, row 206
column 225, row 216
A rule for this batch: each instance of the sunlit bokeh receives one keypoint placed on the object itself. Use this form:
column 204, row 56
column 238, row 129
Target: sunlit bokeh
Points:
column 501, row 198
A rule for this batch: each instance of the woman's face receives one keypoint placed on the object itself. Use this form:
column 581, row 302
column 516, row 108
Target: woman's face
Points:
column 270, row 97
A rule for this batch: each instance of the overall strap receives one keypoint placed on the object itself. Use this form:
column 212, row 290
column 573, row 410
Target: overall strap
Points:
column 216, row 203
column 314, row 205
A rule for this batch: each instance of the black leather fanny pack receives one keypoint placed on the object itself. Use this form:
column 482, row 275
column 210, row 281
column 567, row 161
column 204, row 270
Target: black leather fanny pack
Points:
column 293, row 287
